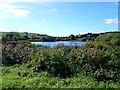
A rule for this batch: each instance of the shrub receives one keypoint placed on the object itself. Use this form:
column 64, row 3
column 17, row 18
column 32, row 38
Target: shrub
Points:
column 53, row 62
column 13, row 53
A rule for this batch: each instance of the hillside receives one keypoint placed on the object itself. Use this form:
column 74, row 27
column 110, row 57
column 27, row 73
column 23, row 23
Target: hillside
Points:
column 22, row 36
column 15, row 36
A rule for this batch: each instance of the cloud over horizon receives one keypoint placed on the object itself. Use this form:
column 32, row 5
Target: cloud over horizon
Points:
column 109, row 21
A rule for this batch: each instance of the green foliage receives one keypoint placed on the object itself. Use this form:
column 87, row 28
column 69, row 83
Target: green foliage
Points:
column 52, row 61
column 109, row 38
column 21, row 77
column 13, row 36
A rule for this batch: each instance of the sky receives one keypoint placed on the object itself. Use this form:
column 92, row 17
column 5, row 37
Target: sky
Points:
column 58, row 18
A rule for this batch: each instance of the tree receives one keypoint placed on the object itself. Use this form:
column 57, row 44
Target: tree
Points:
column 13, row 35
column 72, row 37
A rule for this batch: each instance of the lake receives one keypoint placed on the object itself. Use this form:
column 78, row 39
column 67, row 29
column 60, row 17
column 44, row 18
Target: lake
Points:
column 66, row 43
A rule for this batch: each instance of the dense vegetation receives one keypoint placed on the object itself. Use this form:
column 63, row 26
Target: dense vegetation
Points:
column 93, row 65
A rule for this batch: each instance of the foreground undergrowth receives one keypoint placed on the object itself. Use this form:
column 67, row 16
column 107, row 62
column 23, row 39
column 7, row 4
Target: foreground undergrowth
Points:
column 21, row 77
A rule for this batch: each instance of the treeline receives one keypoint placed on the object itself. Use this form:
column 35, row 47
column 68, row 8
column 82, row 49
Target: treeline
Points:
column 15, row 36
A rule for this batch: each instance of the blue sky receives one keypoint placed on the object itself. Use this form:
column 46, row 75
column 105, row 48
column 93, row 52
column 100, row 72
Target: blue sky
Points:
column 59, row 18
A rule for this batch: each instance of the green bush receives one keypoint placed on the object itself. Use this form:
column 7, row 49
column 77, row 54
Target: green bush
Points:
column 53, row 61
column 109, row 38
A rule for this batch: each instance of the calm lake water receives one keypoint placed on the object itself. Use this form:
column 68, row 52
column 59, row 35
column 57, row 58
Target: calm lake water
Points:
column 52, row 44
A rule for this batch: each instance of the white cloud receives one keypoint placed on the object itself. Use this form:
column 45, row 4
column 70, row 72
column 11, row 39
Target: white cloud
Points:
column 53, row 10
column 109, row 21
column 9, row 10
column 44, row 20
column 20, row 12
column 6, row 6
column 116, row 3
